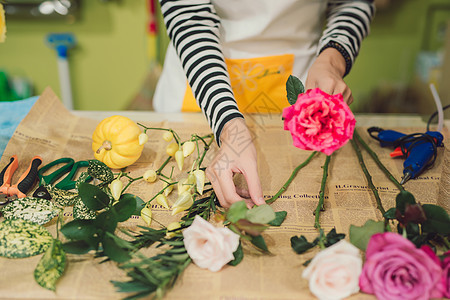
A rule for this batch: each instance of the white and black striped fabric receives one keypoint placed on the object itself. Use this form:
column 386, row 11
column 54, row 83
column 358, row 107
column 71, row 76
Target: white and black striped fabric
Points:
column 194, row 29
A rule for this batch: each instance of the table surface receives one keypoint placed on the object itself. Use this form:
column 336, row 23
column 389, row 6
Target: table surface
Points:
column 183, row 291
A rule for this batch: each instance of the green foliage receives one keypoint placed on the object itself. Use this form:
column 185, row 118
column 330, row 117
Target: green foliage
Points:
column 259, row 242
column 99, row 170
column 20, row 238
column 237, row 211
column 114, row 248
column 93, row 197
column 403, row 199
column 437, row 221
column 36, row 210
column 280, row 216
column 333, row 237
column 300, row 244
column 294, row 87
column 262, row 214
column 238, row 256
column 360, row 236
column 125, row 208
column 51, row 266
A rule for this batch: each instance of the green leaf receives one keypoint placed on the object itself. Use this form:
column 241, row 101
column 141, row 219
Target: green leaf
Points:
column 237, row 211
column 280, row 216
column 438, row 220
column 81, row 211
column 390, row 213
column 99, row 170
column 62, row 197
column 139, row 204
column 261, row 214
column 93, row 196
column 259, row 242
column 403, row 198
column 250, row 228
column 20, row 238
column 86, row 230
column 51, row 266
column 77, row 247
column 36, row 210
column 133, row 287
column 113, row 250
column 125, row 207
column 360, row 236
column 238, row 256
column 294, row 87
column 107, row 221
column 300, row 244
column 333, row 237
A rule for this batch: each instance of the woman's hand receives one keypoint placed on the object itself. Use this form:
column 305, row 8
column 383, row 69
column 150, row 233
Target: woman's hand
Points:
column 326, row 73
column 237, row 154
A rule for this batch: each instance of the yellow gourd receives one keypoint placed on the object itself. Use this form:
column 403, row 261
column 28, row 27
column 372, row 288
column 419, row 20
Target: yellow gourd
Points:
column 115, row 142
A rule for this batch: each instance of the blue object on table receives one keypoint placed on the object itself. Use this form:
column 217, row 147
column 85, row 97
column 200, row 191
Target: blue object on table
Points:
column 11, row 114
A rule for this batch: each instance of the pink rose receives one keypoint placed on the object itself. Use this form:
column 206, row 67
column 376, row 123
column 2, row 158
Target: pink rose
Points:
column 333, row 273
column 446, row 275
column 396, row 269
column 318, row 121
column 210, row 247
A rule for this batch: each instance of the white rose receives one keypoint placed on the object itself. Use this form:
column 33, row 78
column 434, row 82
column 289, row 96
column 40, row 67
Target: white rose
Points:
column 208, row 246
column 334, row 272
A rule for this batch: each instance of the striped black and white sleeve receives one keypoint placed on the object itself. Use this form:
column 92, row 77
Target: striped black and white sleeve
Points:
column 348, row 23
column 193, row 28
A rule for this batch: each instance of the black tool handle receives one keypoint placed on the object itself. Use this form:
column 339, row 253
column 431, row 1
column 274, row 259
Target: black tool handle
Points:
column 8, row 171
column 28, row 178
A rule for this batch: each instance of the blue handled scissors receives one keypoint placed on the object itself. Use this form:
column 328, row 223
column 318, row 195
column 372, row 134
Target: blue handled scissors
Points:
column 68, row 165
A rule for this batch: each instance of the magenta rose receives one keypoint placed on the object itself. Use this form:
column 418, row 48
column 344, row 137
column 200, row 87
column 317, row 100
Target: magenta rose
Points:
column 318, row 121
column 446, row 275
column 396, row 269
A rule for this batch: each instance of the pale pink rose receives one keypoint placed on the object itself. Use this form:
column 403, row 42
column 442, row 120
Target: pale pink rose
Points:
column 208, row 246
column 396, row 269
column 333, row 273
column 318, row 121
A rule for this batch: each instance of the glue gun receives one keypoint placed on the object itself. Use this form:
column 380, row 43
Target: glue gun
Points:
column 420, row 149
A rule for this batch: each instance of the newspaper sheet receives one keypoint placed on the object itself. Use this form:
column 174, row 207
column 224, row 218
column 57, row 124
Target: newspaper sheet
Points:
column 52, row 132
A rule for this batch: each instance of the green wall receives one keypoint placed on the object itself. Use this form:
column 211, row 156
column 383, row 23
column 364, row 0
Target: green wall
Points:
column 110, row 62
column 388, row 56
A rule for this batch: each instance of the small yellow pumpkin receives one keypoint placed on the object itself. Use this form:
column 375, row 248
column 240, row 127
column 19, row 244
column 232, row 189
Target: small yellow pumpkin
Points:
column 115, row 142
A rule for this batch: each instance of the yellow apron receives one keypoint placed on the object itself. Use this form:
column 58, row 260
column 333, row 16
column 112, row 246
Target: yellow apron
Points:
column 259, row 84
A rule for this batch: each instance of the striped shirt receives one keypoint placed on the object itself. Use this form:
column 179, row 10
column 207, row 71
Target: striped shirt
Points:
column 194, row 29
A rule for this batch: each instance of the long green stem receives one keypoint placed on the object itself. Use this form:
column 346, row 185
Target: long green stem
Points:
column 204, row 152
column 377, row 160
column 288, row 182
column 322, row 192
column 368, row 177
